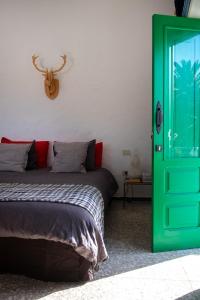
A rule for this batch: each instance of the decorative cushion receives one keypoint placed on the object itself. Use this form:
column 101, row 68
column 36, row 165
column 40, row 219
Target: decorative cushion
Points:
column 98, row 155
column 13, row 157
column 32, row 156
column 41, row 149
column 69, row 156
column 90, row 158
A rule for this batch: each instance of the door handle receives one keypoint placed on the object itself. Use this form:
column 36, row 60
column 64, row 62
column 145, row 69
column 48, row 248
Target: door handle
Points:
column 159, row 117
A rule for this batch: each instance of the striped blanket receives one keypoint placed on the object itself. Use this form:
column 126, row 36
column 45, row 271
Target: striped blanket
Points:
column 85, row 196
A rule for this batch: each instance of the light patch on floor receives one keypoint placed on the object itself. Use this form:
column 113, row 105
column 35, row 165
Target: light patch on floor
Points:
column 167, row 280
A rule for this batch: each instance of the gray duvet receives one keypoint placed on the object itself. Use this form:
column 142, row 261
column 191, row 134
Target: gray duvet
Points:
column 63, row 222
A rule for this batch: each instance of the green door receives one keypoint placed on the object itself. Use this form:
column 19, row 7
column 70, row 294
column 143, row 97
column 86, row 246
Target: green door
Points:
column 176, row 133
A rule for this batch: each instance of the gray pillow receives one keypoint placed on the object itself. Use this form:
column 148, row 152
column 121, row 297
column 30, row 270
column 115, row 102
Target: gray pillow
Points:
column 69, row 156
column 13, row 157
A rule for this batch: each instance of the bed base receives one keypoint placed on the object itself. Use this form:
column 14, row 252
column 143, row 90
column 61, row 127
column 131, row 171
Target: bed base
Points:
column 44, row 260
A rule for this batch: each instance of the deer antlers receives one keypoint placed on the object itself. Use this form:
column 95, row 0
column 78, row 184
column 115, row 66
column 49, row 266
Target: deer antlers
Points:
column 51, row 84
column 64, row 57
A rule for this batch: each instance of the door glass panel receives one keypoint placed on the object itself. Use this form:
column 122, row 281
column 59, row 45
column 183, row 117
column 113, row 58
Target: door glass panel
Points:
column 184, row 94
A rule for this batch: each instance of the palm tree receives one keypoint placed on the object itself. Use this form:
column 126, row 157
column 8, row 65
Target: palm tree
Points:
column 186, row 107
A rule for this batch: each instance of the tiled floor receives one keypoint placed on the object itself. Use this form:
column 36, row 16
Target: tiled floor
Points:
column 132, row 271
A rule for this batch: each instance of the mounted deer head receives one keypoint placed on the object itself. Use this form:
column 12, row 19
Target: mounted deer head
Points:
column 51, row 85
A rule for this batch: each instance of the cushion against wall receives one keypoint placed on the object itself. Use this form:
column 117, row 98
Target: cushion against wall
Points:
column 41, row 149
column 90, row 158
column 32, row 156
column 13, row 157
column 89, row 163
column 98, row 155
column 69, row 156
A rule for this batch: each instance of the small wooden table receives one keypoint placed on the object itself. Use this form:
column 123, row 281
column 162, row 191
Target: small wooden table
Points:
column 133, row 182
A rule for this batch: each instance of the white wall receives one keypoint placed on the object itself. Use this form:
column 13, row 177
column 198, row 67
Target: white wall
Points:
column 106, row 88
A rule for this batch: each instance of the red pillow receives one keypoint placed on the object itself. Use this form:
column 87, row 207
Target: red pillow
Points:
column 4, row 140
column 41, row 148
column 98, row 155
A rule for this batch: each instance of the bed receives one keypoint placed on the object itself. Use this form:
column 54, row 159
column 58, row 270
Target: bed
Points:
column 53, row 241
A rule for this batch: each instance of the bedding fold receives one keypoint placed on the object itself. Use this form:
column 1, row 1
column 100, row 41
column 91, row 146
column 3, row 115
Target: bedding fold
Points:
column 58, row 221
